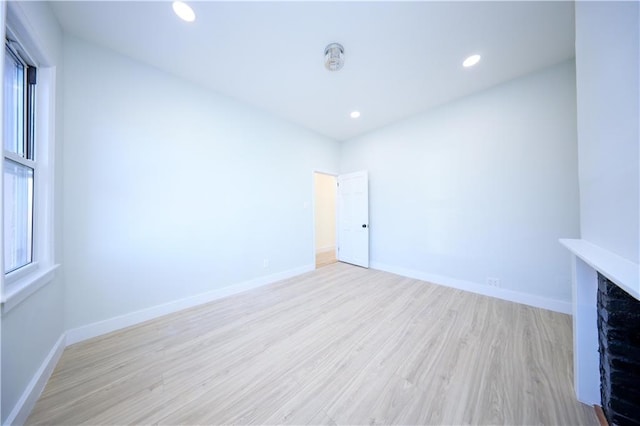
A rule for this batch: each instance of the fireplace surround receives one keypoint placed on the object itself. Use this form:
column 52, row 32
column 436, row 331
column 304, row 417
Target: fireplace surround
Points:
column 590, row 261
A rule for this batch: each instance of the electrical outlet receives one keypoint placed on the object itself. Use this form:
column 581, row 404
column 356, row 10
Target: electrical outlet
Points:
column 493, row 282
column 265, row 263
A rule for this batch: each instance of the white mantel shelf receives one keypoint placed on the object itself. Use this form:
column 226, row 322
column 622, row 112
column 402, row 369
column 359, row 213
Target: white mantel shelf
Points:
column 621, row 271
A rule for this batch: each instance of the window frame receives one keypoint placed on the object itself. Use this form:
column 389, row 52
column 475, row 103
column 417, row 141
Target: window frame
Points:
column 21, row 283
column 29, row 159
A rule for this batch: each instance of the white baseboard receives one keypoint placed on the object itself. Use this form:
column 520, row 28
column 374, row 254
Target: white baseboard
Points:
column 27, row 401
column 325, row 249
column 95, row 329
column 473, row 287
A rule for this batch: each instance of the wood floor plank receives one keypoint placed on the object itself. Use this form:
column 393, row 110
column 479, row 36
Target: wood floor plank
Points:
column 325, row 258
column 340, row 345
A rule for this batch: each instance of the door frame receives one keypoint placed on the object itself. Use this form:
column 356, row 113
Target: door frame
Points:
column 313, row 212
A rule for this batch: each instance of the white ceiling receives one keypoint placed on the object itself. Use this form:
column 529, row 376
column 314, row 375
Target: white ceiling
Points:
column 401, row 58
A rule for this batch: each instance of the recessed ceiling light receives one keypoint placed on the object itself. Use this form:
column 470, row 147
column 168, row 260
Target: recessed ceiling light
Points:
column 471, row 61
column 184, row 11
column 355, row 114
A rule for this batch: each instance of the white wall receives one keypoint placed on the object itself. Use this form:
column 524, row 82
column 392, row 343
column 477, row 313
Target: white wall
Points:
column 607, row 68
column 172, row 190
column 31, row 329
column 325, row 208
column 29, row 333
column 482, row 187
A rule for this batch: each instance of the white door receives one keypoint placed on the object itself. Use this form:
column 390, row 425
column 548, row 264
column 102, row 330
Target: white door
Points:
column 353, row 218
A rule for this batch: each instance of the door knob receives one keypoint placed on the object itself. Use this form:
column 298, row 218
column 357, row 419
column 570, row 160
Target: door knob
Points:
column 364, row 226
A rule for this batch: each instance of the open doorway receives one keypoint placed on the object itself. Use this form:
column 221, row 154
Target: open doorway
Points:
column 325, row 218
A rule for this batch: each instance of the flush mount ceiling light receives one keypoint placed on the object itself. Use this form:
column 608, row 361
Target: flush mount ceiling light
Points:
column 184, row 11
column 334, row 56
column 471, row 61
column 355, row 114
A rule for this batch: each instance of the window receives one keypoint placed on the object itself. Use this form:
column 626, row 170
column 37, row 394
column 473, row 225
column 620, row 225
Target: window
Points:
column 20, row 166
column 28, row 167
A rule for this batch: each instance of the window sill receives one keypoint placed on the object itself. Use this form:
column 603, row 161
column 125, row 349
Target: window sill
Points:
column 19, row 290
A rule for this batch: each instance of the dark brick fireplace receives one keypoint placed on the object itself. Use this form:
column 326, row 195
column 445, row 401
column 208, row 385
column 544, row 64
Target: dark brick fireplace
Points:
column 619, row 341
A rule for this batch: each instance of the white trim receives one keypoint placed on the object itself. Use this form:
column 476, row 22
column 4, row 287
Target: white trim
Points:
column 3, row 16
column 20, row 284
column 313, row 213
column 473, row 287
column 45, row 179
column 29, row 397
column 99, row 328
column 623, row 272
column 20, row 160
column 325, row 172
column 19, row 290
column 27, row 34
column 21, row 272
column 586, row 359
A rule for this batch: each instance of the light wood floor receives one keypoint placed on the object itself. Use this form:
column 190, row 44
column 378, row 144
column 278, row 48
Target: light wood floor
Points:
column 340, row 345
column 325, row 258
